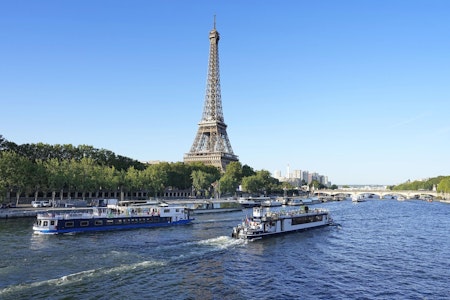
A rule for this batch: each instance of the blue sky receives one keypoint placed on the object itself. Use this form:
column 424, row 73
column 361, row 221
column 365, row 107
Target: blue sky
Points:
column 355, row 90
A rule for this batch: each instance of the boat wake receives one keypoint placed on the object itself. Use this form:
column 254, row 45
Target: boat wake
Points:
column 78, row 277
column 221, row 242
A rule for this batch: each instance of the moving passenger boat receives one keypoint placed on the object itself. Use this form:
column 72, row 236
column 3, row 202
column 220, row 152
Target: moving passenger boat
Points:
column 113, row 217
column 265, row 222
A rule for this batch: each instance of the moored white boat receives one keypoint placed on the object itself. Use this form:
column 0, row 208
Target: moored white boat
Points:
column 271, row 203
column 265, row 222
column 358, row 198
column 247, row 202
column 295, row 202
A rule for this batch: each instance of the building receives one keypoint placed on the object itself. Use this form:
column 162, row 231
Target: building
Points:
column 211, row 145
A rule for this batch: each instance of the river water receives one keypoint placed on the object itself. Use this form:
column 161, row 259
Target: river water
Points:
column 383, row 249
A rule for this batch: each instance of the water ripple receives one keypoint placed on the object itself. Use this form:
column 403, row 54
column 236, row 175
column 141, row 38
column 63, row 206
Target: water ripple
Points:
column 382, row 250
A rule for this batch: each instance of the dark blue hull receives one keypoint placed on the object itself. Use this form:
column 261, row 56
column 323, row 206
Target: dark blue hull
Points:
column 109, row 224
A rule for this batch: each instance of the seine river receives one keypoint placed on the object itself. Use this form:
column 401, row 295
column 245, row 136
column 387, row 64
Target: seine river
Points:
column 384, row 249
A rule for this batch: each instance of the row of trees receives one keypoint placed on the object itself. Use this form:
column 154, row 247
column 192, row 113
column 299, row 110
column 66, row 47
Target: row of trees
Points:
column 40, row 169
column 41, row 151
column 441, row 183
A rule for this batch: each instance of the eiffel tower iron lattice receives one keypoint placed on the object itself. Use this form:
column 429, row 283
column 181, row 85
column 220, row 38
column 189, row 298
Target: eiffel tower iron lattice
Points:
column 211, row 144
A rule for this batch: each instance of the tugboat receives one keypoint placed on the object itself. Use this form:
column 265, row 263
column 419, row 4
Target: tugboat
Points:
column 113, row 217
column 265, row 223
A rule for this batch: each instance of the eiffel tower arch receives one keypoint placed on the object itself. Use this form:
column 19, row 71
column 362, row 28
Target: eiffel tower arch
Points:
column 211, row 144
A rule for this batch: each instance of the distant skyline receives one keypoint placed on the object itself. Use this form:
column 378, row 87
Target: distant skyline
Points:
column 356, row 90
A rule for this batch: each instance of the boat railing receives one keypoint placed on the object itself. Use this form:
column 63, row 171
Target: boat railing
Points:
column 104, row 214
column 60, row 216
column 290, row 213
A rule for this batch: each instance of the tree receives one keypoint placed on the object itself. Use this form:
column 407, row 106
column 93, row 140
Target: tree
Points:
column 55, row 176
column 227, row 184
column 14, row 173
column 156, row 178
column 105, row 178
column 179, row 175
column 134, row 179
column 247, row 171
column 86, row 176
column 444, row 185
column 201, row 181
column 2, row 142
column 252, row 184
column 38, row 178
column 123, row 183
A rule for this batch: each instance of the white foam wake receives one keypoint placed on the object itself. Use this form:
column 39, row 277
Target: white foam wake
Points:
column 80, row 276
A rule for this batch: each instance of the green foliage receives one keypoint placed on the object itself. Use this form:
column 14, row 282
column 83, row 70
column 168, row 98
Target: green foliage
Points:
column 156, row 178
column 426, row 185
column 15, row 172
column 65, row 168
column 252, row 184
column 44, row 152
column 247, row 171
column 227, row 185
column 201, row 181
column 179, row 175
column 444, row 185
column 261, row 182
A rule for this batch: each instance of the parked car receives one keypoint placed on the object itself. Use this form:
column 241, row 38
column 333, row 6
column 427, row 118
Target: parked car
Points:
column 44, row 203
column 36, row 203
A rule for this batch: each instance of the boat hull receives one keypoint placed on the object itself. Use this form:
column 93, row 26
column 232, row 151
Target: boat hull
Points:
column 138, row 223
column 266, row 223
column 258, row 236
column 108, row 219
column 79, row 229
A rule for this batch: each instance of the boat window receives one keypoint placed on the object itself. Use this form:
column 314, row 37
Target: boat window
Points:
column 109, row 222
column 166, row 210
column 69, row 224
column 52, row 223
column 119, row 221
column 300, row 220
column 84, row 223
column 98, row 222
column 45, row 223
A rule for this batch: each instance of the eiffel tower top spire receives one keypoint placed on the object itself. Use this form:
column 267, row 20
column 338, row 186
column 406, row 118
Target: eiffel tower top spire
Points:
column 211, row 145
column 212, row 110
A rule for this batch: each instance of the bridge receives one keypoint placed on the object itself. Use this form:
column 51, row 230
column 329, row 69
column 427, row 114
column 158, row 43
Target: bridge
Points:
column 380, row 193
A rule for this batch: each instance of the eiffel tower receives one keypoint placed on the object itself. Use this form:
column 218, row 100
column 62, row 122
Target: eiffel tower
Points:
column 211, row 144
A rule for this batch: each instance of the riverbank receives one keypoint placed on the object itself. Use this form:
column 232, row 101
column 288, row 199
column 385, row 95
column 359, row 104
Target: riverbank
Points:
column 197, row 206
column 31, row 212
